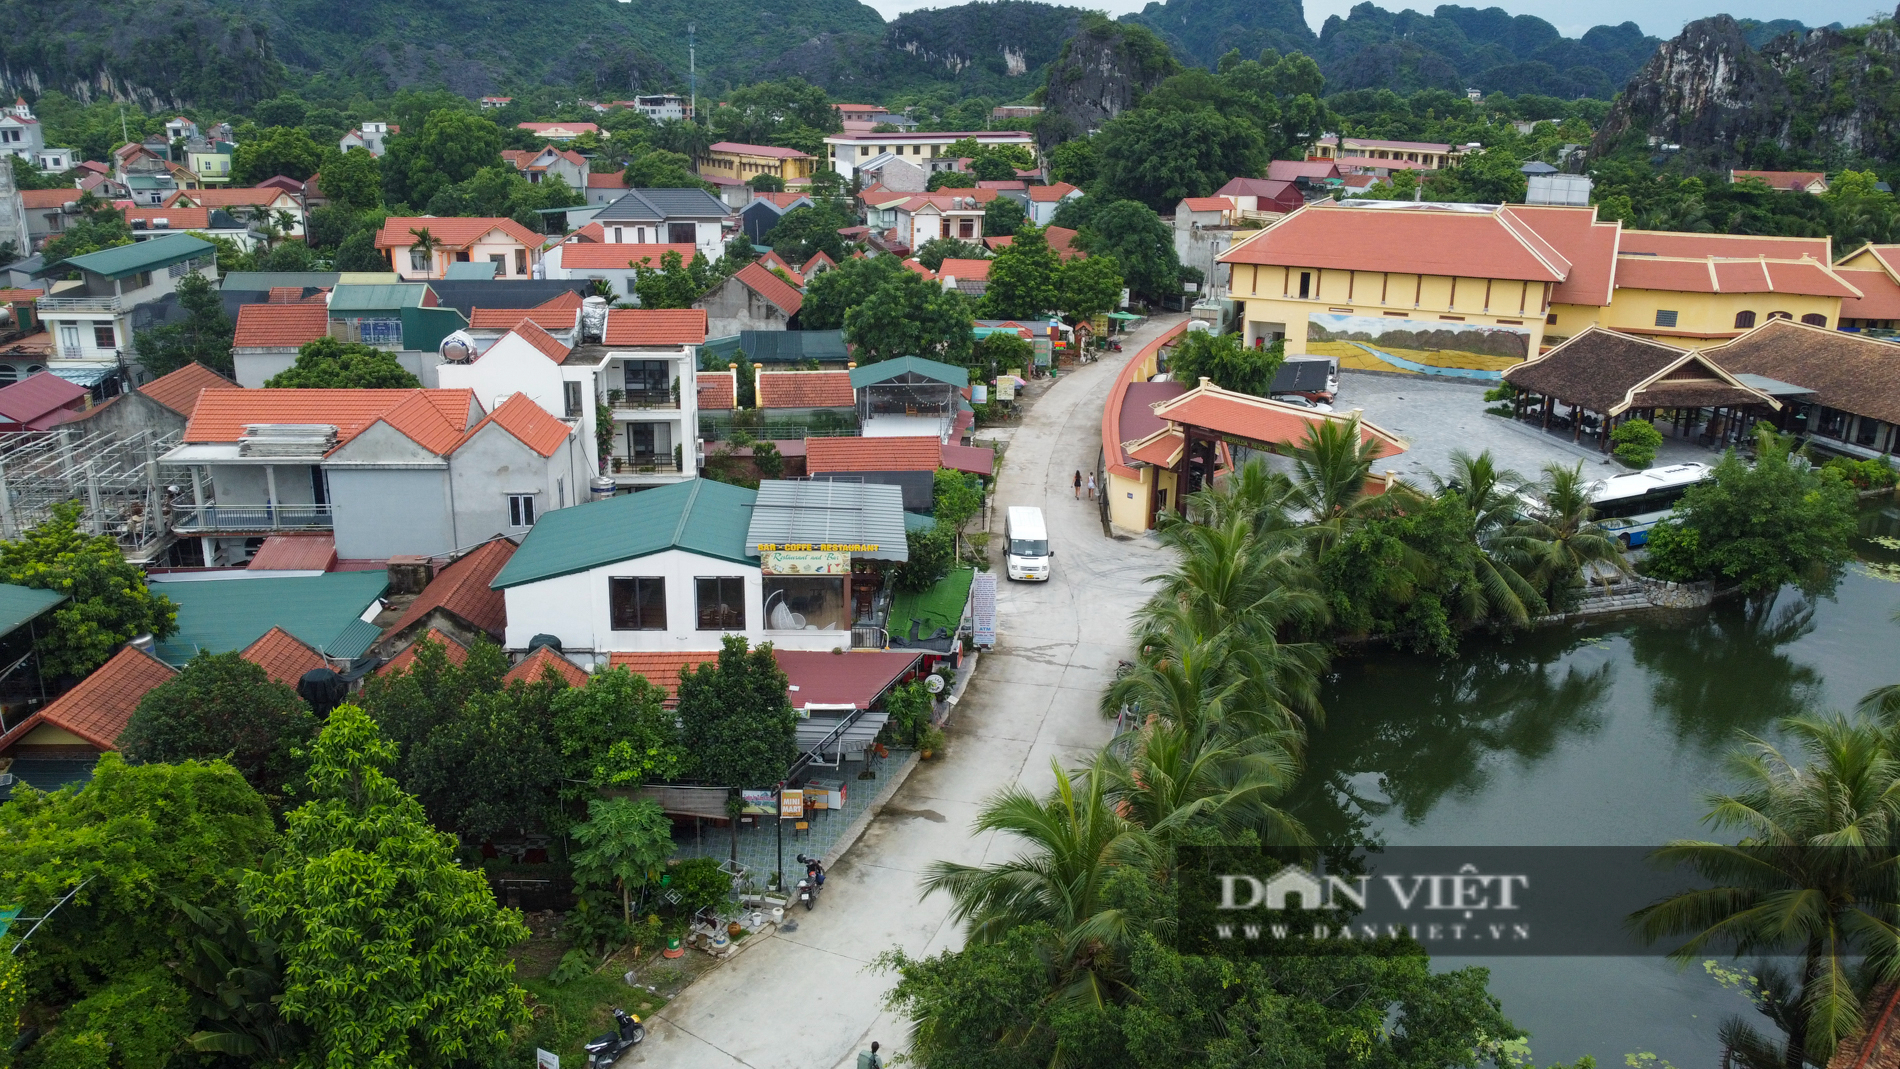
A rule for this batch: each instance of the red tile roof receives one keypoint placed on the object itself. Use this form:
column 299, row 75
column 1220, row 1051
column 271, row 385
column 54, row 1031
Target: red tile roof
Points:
column 1138, row 419
column 48, row 198
column 451, row 232
column 423, row 422
column 1208, row 204
column 532, row 667
column 856, row 679
column 1696, row 246
column 506, row 318
column 176, row 217
column 818, row 259
column 179, row 390
column 772, row 151
column 15, row 295
column 661, row 669
column 805, row 389
column 969, row 270
column 547, row 344
column 973, row 459
column 280, row 326
column 283, row 656
column 462, row 589
column 1798, row 180
column 1803, row 277
column 608, row 181
column 451, row 649
column 1160, row 448
column 221, row 415
column 528, row 422
column 592, row 232
column 565, row 301
column 717, row 391
column 1050, row 193
column 286, row 294
column 1256, row 418
column 98, row 709
column 907, row 453
column 229, row 197
column 655, row 326
column 783, row 200
column 296, row 552
column 1015, row 184
column 1589, row 245
column 1288, row 170
column 1429, row 241
column 1879, row 299
column 611, row 256
column 763, row 282
column 546, row 127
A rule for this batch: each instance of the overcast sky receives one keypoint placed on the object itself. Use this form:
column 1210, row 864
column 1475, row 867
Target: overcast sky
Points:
column 1663, row 18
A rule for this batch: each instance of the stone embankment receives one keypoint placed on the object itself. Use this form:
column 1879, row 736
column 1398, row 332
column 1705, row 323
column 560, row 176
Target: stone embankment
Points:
column 1635, row 593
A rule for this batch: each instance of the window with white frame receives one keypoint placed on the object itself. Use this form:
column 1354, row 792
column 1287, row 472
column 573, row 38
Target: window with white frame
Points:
column 521, row 510
column 418, row 260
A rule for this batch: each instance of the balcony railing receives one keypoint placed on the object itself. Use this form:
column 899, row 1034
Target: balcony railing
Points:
column 80, row 304
column 642, row 399
column 642, row 464
column 216, row 519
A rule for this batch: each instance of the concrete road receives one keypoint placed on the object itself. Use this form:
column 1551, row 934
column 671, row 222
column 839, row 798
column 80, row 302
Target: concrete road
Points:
column 808, row 999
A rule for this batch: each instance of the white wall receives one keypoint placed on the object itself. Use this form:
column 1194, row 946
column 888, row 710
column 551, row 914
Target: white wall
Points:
column 494, row 464
column 381, row 509
column 255, row 367
column 574, row 608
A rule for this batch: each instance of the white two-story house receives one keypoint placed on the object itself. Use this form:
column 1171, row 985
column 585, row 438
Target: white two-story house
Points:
column 667, row 217
column 90, row 318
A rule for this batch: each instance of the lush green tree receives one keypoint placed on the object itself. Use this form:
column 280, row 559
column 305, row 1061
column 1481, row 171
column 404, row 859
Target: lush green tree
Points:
column 1488, row 177
column 27, row 176
column 989, row 167
column 1490, row 494
column 329, row 363
column 98, row 225
column 1407, row 569
column 1160, row 156
column 449, row 146
column 765, row 183
column 1225, row 360
column 277, row 150
column 1087, row 286
column 221, row 705
column 1759, row 526
column 353, row 180
column 493, row 768
column 736, row 721
column 1076, row 162
column 283, row 109
column 359, row 253
column 660, row 169
column 203, row 336
column 957, row 497
column 805, row 232
column 789, row 113
column 908, row 315
column 1635, row 442
column 932, row 554
column 616, row 732
column 934, row 252
column 141, row 835
column 672, row 284
column 234, row 980
column 138, row 1020
column 1023, row 277
column 950, row 180
column 393, row 954
column 110, row 601
column 1140, row 242
column 1861, row 213
column 625, row 844
column 1813, row 876
column 997, row 353
column 831, row 294
column 1003, row 216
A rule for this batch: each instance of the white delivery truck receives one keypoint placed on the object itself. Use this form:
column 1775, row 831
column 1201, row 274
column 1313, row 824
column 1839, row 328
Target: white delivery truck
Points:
column 1028, row 552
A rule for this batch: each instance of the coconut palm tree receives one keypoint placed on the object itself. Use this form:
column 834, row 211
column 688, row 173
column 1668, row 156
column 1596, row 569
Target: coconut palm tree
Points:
column 1490, row 493
column 1813, row 875
column 1553, row 545
column 426, row 244
column 1227, row 576
column 1191, row 783
column 1331, row 466
column 1255, row 493
column 1073, row 840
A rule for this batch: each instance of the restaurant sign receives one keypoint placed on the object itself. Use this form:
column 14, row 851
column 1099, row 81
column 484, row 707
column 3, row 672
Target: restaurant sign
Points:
column 805, row 562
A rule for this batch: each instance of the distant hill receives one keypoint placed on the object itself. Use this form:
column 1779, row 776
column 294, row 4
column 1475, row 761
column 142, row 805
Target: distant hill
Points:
column 996, row 49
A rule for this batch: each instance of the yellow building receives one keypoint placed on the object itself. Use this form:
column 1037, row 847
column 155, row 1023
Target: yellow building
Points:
column 1468, row 290
column 729, row 159
column 1391, row 155
column 1874, row 270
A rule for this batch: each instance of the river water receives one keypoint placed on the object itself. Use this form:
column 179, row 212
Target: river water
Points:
column 1606, row 734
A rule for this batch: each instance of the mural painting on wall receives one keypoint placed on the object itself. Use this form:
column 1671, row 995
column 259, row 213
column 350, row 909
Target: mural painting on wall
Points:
column 1418, row 346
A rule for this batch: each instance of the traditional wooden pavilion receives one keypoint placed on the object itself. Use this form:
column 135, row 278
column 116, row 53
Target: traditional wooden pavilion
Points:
column 1615, row 377
column 1199, row 424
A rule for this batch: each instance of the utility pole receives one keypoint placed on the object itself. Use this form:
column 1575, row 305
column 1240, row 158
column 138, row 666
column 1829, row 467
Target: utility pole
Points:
column 692, row 71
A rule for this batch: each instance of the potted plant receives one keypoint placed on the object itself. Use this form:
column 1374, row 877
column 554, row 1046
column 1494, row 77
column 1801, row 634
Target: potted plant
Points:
column 929, row 742
column 614, row 397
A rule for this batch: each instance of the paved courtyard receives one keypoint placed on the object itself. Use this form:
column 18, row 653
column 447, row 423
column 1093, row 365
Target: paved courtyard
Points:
column 1438, row 417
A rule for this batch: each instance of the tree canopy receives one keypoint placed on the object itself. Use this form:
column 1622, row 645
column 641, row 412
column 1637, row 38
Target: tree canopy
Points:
column 203, row 336
column 221, row 705
column 904, row 315
column 1022, row 282
column 329, row 363
column 110, row 603
column 737, row 727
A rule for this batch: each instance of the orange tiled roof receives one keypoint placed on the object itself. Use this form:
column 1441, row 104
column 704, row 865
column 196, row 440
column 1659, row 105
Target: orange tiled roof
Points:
column 451, row 649
column 1259, row 419
column 421, row 421
column 1208, row 204
column 98, row 709
column 529, row 422
column 717, row 391
column 1492, row 244
column 283, row 656
column 1879, row 295
column 48, row 198
column 451, row 232
column 176, row 218
column 968, row 270
column 462, row 589
column 16, row 295
column 286, row 294
column 534, row 664
column 907, row 453
column 179, row 389
column 547, row 344
column 1588, row 244
column 591, row 233
column 506, row 318
column 620, row 256
column 278, row 326
column 295, row 552
column 1732, row 246
column 763, row 282
column 229, row 197
column 661, row 669
column 565, row 301
column 222, row 414
column 655, row 326
column 607, row 181
column 1050, row 193
column 1710, row 275
column 1161, row 449
column 806, row 389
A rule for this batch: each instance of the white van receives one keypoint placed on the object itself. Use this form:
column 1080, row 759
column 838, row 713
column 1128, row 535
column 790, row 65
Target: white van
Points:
column 1028, row 552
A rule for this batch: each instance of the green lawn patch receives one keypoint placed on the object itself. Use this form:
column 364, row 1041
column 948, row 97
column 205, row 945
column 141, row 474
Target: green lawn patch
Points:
column 568, row 1015
column 940, row 606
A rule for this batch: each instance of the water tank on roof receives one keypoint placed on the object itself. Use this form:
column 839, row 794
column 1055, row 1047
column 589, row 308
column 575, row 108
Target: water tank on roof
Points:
column 593, row 318
column 550, row 641
column 458, row 348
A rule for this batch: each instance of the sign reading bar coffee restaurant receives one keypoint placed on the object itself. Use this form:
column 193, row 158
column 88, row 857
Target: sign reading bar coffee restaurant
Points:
column 805, row 561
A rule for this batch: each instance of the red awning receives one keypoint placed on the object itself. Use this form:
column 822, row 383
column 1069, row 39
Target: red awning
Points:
column 852, row 679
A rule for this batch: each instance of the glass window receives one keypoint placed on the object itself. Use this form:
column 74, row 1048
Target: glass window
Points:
column 1665, row 317
column 104, row 336
column 1814, row 319
column 521, row 510
column 1029, row 547
column 805, row 603
column 1744, row 320
column 637, row 604
column 571, row 392
column 721, row 602
column 418, row 260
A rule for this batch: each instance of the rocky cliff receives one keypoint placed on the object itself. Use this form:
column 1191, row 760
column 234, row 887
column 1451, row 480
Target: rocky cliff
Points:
column 993, row 49
column 1825, row 97
column 1101, row 72
column 173, row 56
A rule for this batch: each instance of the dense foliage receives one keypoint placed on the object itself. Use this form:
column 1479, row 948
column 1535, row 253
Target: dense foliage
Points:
column 329, row 363
column 203, row 336
column 223, row 706
column 1226, row 361
column 110, row 602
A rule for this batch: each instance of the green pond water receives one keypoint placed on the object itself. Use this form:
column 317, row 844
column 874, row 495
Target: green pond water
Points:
column 1606, row 734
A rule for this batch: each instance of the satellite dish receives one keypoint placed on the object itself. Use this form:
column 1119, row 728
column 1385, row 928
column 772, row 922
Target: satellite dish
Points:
column 458, row 347
column 933, row 684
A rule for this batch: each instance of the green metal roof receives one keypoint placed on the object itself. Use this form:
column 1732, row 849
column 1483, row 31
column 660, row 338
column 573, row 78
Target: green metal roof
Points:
column 229, row 614
column 471, row 269
column 781, row 346
column 18, row 604
column 885, row 370
column 698, row 515
column 122, row 261
column 383, row 297
column 424, row 328
column 268, row 280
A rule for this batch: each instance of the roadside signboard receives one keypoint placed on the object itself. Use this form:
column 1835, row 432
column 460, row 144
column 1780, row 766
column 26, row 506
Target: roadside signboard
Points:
column 545, row 1059
column 791, row 804
column 983, row 609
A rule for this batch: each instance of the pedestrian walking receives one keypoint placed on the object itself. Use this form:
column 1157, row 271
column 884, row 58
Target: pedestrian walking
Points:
column 868, row 1059
column 1078, row 486
column 1091, row 486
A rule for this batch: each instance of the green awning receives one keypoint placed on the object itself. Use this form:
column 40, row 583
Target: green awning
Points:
column 18, row 604
column 1130, row 316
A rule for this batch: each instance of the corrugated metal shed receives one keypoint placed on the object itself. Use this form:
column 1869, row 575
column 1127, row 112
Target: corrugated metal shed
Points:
column 18, row 604
column 885, row 370
column 829, row 513
column 698, row 515
column 385, row 297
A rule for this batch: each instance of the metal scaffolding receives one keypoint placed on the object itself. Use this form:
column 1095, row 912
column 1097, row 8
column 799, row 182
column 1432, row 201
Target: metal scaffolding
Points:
column 114, row 476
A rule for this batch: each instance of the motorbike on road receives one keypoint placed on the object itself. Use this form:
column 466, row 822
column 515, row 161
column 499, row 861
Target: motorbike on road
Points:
column 604, row 1050
column 814, row 880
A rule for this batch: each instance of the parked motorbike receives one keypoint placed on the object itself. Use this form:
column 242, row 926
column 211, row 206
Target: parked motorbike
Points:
column 814, row 880
column 604, row 1050
column 1114, row 347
